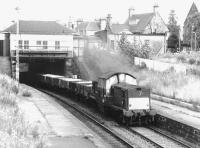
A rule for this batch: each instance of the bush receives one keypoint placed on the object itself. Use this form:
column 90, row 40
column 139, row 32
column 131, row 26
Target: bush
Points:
column 26, row 93
column 9, row 84
column 181, row 58
column 192, row 61
column 8, row 100
column 198, row 63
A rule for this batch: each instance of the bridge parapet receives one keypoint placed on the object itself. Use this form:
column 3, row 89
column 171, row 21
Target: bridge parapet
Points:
column 42, row 54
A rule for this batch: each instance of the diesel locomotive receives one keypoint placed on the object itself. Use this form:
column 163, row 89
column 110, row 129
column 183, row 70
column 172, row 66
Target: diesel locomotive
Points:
column 114, row 92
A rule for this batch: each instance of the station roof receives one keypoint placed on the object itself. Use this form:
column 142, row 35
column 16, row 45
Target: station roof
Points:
column 39, row 27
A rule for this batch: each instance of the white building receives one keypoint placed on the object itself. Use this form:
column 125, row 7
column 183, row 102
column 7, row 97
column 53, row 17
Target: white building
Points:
column 40, row 35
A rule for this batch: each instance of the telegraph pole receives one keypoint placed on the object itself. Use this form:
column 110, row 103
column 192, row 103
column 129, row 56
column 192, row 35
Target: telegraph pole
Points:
column 179, row 39
column 195, row 41
column 17, row 46
column 191, row 37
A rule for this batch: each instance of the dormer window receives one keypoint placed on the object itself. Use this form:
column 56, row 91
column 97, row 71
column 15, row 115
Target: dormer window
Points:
column 134, row 22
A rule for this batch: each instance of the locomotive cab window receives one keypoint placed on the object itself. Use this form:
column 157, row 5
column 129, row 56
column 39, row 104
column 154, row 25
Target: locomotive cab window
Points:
column 110, row 82
column 127, row 79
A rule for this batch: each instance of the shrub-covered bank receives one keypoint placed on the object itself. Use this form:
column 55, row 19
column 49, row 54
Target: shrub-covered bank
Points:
column 168, row 83
column 14, row 131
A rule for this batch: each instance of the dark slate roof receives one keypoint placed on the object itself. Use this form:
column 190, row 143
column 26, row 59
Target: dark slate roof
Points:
column 89, row 26
column 119, row 28
column 193, row 10
column 39, row 27
column 141, row 21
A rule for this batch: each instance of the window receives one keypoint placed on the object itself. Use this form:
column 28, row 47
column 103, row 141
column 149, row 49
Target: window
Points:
column 26, row 44
column 134, row 21
column 20, row 42
column 112, row 44
column 39, row 44
column 45, row 43
column 57, row 44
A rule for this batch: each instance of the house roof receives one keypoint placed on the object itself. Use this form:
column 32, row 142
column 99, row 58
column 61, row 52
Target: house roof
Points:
column 193, row 10
column 119, row 28
column 89, row 26
column 138, row 22
column 39, row 27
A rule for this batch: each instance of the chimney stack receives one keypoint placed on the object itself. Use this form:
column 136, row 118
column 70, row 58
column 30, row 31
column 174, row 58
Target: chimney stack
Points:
column 155, row 8
column 109, row 20
column 102, row 23
column 130, row 12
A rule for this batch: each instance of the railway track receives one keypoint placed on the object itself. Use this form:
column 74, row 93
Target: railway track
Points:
column 158, row 138
column 151, row 135
column 92, row 118
column 170, row 137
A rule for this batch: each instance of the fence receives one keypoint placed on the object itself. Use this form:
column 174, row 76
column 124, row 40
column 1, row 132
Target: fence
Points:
column 159, row 66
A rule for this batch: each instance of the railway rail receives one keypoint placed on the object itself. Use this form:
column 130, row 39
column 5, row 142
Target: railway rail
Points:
column 158, row 138
column 91, row 118
column 170, row 137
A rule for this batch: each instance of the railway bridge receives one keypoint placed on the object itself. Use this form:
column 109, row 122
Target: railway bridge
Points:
column 43, row 47
column 41, row 61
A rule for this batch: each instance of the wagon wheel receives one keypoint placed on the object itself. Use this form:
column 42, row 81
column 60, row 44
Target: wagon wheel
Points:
column 121, row 119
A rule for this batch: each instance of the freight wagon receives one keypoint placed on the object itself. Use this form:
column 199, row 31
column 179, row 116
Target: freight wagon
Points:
column 113, row 92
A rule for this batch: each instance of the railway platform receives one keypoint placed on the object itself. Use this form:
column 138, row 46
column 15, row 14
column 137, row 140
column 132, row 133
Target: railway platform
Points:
column 180, row 114
column 61, row 128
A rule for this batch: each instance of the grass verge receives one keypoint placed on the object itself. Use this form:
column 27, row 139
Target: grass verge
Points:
column 14, row 131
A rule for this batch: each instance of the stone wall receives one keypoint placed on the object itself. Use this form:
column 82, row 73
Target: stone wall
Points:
column 187, row 132
column 5, row 65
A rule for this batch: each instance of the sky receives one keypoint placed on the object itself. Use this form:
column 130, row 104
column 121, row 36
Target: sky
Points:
column 62, row 10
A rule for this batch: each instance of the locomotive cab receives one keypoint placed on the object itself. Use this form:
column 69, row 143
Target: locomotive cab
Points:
column 132, row 102
column 104, row 83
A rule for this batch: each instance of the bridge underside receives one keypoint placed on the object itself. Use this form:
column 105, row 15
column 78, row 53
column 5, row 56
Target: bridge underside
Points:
column 54, row 62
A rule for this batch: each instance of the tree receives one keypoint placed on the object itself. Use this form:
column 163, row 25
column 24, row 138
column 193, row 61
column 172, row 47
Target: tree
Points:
column 174, row 29
column 192, row 29
column 172, row 43
column 172, row 23
column 134, row 49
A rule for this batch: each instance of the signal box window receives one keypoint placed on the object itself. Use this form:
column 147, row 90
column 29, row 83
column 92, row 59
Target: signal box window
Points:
column 20, row 42
column 45, row 43
column 39, row 44
column 26, row 44
column 57, row 44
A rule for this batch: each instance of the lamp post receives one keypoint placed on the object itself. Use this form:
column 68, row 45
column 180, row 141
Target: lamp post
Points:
column 195, row 41
column 179, row 40
column 17, row 47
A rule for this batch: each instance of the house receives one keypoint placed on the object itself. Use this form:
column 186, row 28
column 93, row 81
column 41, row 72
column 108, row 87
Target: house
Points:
column 187, row 28
column 147, row 28
column 146, row 23
column 85, row 35
column 87, row 28
column 39, row 35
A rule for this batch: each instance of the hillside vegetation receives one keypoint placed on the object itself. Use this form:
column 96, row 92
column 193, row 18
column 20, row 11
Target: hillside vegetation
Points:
column 14, row 131
column 169, row 83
